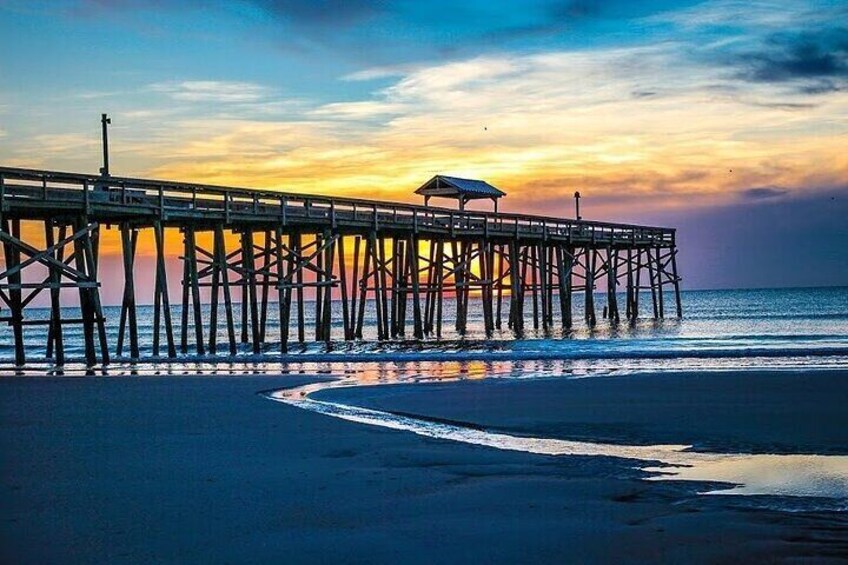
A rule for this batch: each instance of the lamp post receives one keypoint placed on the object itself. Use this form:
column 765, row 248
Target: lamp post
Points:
column 577, row 205
column 104, row 122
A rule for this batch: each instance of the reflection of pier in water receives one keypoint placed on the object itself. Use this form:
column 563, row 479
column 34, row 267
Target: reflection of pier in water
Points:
column 309, row 251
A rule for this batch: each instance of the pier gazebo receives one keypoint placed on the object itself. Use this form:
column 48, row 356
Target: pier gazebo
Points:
column 442, row 186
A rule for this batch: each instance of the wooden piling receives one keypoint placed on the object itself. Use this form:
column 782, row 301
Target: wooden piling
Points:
column 414, row 269
column 55, row 339
column 380, row 261
column 440, row 285
column 301, row 315
column 326, row 309
column 660, row 281
column 516, row 302
column 653, row 277
column 161, row 298
column 676, row 281
column 500, row 289
column 267, row 264
column 86, row 305
column 589, row 258
column 348, row 333
column 543, row 284
column 319, row 287
column 223, row 268
column 185, row 296
column 363, row 286
column 249, row 268
column 354, row 321
column 612, row 284
column 129, row 243
column 195, row 293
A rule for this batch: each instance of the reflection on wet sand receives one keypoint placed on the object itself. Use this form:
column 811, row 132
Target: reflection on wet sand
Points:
column 824, row 476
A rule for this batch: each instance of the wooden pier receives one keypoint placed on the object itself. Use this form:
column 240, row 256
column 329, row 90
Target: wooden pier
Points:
column 315, row 252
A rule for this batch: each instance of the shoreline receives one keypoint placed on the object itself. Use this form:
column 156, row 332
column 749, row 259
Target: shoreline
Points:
column 481, row 355
column 753, row 410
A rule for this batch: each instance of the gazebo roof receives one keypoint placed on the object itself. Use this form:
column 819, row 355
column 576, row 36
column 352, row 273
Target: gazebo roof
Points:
column 454, row 187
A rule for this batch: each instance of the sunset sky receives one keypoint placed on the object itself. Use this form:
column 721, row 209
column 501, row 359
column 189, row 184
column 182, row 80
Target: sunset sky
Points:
column 725, row 119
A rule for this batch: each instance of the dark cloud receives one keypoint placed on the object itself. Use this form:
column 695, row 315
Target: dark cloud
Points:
column 821, row 59
column 643, row 93
column 821, row 87
column 764, row 192
column 784, row 105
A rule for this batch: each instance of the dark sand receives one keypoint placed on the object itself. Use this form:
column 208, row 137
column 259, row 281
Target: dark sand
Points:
column 205, row 470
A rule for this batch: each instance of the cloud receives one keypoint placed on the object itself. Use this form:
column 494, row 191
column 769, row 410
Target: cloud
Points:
column 804, row 56
column 803, row 45
column 66, row 143
column 764, row 192
column 761, row 16
column 373, row 73
column 95, row 95
column 358, row 110
column 212, row 91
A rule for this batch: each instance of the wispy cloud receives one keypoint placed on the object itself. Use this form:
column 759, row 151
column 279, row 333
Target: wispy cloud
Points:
column 59, row 145
column 359, row 110
column 95, row 95
column 212, row 91
column 764, row 192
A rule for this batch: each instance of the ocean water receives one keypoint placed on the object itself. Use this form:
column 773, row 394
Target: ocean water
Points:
column 770, row 326
column 738, row 330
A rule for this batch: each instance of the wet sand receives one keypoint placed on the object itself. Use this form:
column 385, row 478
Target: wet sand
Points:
column 749, row 411
column 205, row 469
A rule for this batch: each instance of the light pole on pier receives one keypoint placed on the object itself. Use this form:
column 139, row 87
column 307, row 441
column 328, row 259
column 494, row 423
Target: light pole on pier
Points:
column 104, row 122
column 577, row 205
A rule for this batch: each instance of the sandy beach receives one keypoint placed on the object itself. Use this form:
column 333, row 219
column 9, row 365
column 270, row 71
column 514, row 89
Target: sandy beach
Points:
column 205, row 469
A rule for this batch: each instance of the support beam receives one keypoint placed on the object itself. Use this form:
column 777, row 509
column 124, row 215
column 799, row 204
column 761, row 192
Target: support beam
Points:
column 161, row 301
column 129, row 244
column 413, row 251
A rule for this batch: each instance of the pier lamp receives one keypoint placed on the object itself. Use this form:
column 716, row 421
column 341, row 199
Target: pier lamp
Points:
column 104, row 122
column 577, row 205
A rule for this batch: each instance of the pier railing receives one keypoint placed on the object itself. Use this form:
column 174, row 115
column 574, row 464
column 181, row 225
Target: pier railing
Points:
column 36, row 192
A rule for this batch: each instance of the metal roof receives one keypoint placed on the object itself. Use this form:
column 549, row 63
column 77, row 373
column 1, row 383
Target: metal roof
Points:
column 461, row 187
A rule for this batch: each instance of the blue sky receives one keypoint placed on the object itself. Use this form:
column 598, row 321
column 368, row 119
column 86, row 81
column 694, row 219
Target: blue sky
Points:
column 688, row 113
